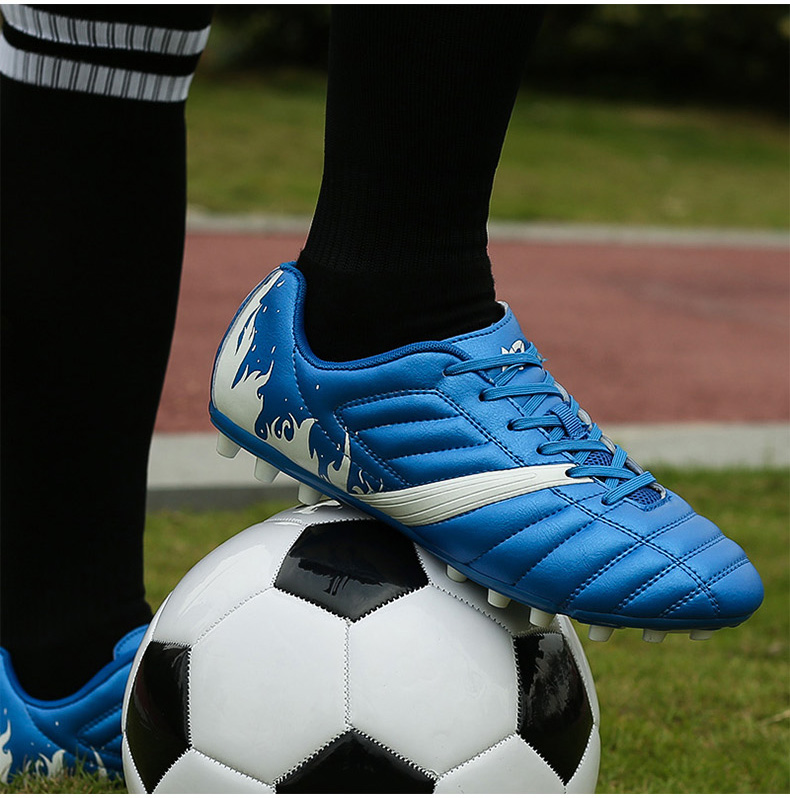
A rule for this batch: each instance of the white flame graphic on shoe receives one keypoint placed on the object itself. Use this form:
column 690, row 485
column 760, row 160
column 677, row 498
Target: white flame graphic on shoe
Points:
column 238, row 384
column 42, row 766
column 6, row 757
column 292, row 437
column 340, row 475
column 516, row 346
column 244, row 369
column 100, row 768
column 50, row 767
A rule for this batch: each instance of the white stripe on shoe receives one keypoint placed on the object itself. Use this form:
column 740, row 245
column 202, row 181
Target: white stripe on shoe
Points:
column 440, row 501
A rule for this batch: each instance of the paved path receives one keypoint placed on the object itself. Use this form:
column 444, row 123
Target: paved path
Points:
column 186, row 471
column 638, row 333
column 642, row 329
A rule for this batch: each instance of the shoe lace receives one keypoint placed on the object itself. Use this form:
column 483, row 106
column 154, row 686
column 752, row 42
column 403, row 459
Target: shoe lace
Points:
column 570, row 430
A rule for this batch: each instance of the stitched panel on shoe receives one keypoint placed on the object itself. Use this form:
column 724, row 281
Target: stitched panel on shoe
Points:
column 682, row 542
column 697, row 605
column 672, row 563
column 628, row 575
column 396, row 408
column 581, row 548
column 539, row 535
column 646, row 542
column 646, row 538
column 720, row 555
column 687, row 543
column 662, row 593
column 99, row 731
column 631, row 520
column 707, row 588
column 421, row 437
column 737, row 590
column 629, row 515
column 450, row 463
column 491, row 525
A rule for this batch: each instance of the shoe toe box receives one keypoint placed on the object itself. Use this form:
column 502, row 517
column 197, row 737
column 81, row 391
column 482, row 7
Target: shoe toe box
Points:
column 711, row 581
column 683, row 574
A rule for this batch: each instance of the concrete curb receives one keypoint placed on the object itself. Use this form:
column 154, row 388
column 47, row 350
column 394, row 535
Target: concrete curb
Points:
column 186, row 472
column 199, row 221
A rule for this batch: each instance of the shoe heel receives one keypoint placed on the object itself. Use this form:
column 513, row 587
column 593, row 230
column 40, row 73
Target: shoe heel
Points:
column 226, row 447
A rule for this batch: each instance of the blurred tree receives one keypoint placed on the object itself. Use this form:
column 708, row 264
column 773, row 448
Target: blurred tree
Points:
column 723, row 54
column 248, row 36
column 730, row 54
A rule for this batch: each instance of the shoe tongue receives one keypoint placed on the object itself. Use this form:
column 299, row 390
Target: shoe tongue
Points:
column 501, row 338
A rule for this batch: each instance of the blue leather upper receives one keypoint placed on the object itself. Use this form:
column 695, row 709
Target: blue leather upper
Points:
column 47, row 736
column 399, row 420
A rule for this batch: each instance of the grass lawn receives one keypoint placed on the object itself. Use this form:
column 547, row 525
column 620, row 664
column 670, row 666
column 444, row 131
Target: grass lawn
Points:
column 256, row 143
column 677, row 717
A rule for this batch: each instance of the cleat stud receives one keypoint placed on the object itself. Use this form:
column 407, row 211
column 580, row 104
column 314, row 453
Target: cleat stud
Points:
column 309, row 495
column 600, row 634
column 701, row 634
column 226, row 447
column 539, row 618
column 265, row 472
column 455, row 574
column 653, row 636
column 497, row 599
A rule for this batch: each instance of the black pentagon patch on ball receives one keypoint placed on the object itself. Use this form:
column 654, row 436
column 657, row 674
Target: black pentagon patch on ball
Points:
column 353, row 763
column 351, row 567
column 555, row 716
column 157, row 723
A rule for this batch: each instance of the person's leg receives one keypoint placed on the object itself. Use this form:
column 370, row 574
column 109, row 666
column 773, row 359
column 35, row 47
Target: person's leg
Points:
column 93, row 205
column 418, row 104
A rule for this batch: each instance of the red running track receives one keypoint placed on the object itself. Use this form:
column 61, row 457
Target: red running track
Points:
column 637, row 333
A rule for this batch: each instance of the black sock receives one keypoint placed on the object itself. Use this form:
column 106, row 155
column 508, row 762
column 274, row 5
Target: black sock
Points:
column 93, row 203
column 419, row 100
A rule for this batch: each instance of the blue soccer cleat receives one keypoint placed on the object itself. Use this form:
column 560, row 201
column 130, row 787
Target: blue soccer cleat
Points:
column 48, row 737
column 470, row 448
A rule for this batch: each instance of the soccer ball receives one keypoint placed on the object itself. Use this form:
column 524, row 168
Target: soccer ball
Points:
column 322, row 652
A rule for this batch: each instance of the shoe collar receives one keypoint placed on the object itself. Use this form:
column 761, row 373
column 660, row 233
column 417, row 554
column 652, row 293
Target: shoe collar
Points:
column 123, row 653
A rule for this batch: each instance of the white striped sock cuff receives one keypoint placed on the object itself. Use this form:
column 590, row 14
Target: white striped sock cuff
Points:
column 95, row 33
column 61, row 73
